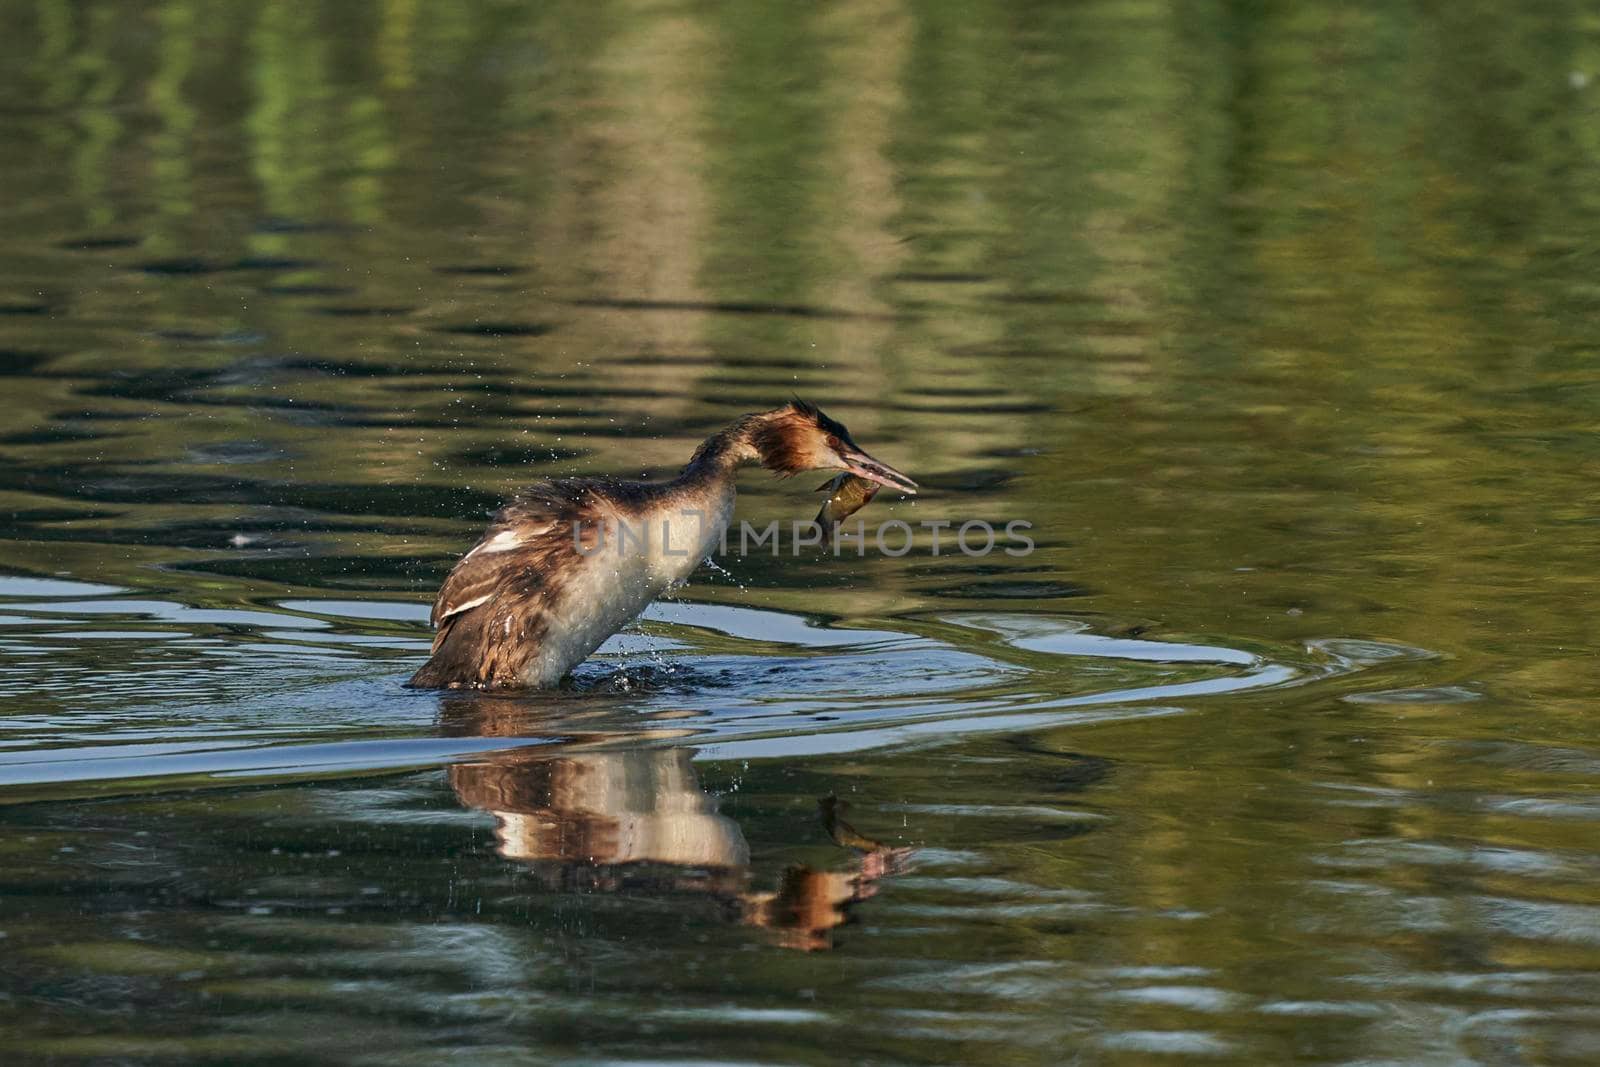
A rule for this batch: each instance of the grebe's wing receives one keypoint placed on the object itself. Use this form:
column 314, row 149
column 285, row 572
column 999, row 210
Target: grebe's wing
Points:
column 520, row 560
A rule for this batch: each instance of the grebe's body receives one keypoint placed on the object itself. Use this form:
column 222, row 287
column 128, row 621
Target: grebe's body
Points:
column 570, row 562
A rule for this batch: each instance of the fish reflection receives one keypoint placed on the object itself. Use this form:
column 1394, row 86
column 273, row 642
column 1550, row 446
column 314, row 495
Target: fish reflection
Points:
column 637, row 820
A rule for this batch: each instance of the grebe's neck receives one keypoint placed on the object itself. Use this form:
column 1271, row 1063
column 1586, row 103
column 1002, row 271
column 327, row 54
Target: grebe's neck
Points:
column 721, row 454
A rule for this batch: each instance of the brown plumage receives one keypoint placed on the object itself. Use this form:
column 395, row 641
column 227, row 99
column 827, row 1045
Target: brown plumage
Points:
column 571, row 561
column 491, row 614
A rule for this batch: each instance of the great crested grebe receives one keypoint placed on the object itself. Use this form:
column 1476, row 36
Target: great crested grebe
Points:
column 569, row 562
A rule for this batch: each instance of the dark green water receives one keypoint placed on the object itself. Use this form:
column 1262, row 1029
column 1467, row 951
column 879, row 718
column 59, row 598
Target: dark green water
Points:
column 1277, row 321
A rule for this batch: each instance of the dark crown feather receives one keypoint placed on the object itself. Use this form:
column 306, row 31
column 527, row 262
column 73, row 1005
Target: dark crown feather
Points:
column 821, row 420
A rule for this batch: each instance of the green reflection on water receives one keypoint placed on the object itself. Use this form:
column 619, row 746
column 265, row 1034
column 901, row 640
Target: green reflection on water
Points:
column 1275, row 320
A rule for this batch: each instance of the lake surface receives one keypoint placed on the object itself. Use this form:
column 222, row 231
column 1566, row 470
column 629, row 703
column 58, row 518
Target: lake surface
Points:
column 1277, row 322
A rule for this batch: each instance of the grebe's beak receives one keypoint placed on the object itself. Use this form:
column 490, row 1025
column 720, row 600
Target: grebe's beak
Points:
column 864, row 466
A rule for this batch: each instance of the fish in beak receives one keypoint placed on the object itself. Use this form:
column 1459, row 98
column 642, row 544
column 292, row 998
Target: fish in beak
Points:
column 847, row 494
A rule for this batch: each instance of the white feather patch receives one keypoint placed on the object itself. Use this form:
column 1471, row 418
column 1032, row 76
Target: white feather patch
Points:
column 468, row 606
column 504, row 541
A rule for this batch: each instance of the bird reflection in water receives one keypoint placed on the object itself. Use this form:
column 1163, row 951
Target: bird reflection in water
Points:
column 636, row 820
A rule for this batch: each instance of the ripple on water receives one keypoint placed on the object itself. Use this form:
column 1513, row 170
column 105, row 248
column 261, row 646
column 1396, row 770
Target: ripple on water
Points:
column 764, row 683
column 1067, row 637
column 20, row 585
column 1168, row 1042
column 1440, row 694
column 1368, row 653
column 1389, row 853
column 1189, row 998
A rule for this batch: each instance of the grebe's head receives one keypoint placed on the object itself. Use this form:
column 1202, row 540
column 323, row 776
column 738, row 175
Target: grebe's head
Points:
column 799, row 437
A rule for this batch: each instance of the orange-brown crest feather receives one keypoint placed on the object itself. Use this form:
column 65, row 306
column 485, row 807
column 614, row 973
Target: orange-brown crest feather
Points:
column 799, row 437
